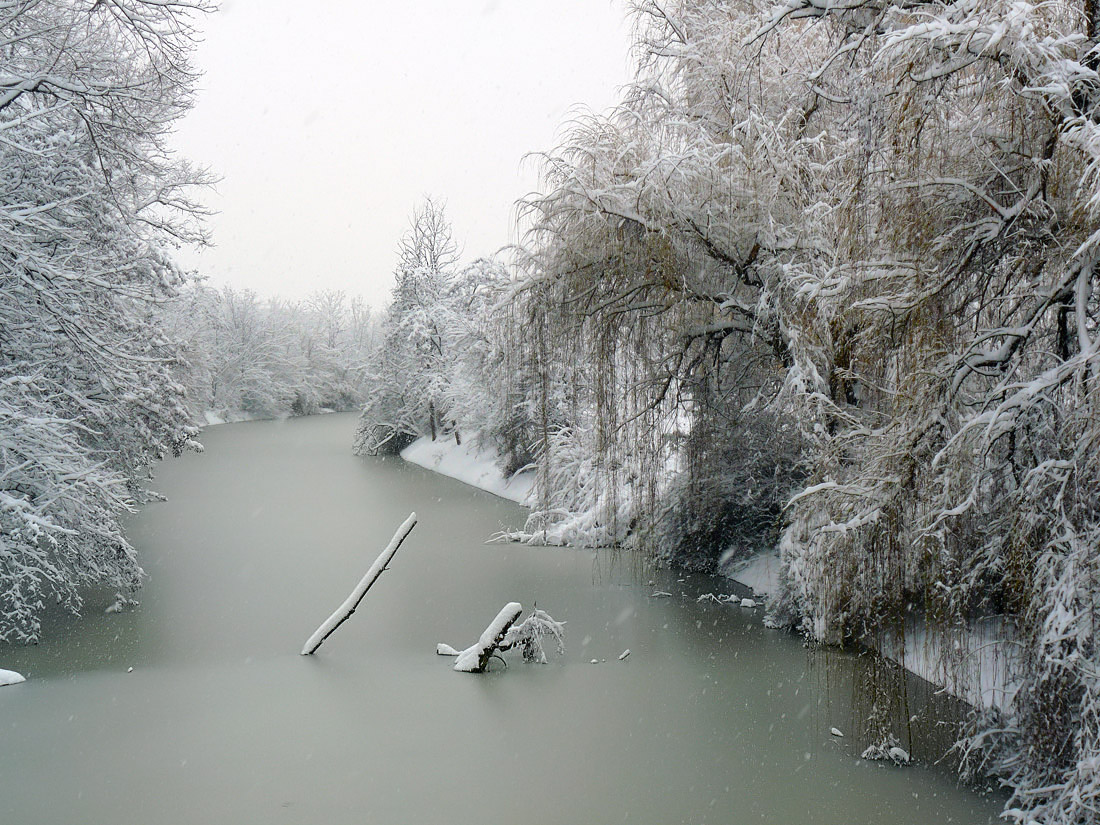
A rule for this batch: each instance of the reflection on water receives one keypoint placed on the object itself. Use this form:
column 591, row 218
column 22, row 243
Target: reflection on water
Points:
column 712, row 718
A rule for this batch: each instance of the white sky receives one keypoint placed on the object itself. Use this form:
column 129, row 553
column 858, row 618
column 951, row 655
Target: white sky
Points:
column 329, row 121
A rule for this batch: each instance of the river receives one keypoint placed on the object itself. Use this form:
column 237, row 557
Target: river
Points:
column 710, row 719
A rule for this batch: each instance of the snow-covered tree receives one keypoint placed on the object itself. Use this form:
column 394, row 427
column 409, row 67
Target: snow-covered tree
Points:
column 650, row 265
column 407, row 397
column 487, row 382
column 92, row 202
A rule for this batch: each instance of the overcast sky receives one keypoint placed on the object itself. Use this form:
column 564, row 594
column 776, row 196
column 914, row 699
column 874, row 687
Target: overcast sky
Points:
column 329, row 121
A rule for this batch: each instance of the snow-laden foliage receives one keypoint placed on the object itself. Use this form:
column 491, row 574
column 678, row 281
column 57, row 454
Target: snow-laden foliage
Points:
column 407, row 384
column 529, row 633
column 887, row 750
column 648, row 306
column 92, row 202
column 875, row 224
column 441, row 367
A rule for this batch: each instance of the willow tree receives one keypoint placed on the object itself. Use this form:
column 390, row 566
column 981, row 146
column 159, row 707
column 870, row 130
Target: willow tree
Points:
column 964, row 301
column 652, row 262
column 885, row 216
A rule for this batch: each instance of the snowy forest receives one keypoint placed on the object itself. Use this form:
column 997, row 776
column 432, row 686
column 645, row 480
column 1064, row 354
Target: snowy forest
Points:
column 825, row 279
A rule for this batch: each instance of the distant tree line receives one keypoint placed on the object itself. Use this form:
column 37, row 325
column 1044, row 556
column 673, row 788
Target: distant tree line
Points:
column 253, row 357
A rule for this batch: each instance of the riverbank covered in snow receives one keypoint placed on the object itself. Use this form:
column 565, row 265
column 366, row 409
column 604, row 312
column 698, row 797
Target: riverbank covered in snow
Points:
column 760, row 573
column 212, row 418
column 472, row 464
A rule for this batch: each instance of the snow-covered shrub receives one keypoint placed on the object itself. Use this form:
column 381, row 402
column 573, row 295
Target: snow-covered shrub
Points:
column 575, row 504
column 529, row 633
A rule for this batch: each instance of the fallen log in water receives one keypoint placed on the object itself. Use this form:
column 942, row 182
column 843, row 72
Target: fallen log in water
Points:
column 503, row 634
column 351, row 602
column 475, row 658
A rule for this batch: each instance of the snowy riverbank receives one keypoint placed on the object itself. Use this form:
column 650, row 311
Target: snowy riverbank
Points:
column 212, row 418
column 759, row 573
column 472, row 464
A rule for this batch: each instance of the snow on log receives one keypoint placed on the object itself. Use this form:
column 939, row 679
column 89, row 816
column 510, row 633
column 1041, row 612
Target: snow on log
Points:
column 10, row 677
column 475, row 658
column 504, row 634
column 348, row 607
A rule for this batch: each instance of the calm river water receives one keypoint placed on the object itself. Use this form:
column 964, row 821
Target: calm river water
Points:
column 711, row 719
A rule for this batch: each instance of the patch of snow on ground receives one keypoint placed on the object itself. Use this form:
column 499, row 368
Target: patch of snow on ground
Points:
column 10, row 677
column 977, row 669
column 470, row 464
column 215, row 417
column 761, row 573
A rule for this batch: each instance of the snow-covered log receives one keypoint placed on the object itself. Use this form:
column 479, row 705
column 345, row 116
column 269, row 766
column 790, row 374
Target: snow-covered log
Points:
column 352, row 602
column 504, row 634
column 475, row 658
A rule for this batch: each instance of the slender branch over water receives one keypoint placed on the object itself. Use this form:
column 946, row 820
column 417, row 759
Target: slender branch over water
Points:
column 328, row 627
